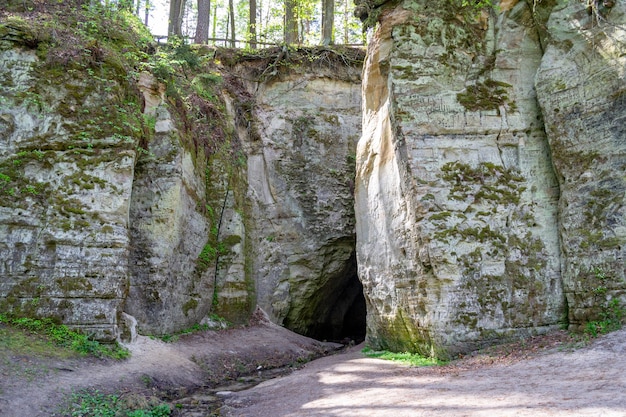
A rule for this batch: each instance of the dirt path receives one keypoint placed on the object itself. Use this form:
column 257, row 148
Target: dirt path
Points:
column 539, row 377
column 194, row 365
column 589, row 381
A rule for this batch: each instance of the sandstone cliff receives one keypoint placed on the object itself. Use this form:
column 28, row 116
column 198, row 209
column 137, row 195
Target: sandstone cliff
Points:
column 489, row 193
column 160, row 201
column 483, row 200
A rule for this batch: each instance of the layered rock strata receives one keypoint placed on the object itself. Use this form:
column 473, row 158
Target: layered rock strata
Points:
column 463, row 203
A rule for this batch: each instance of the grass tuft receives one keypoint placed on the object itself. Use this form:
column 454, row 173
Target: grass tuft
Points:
column 93, row 403
column 412, row 359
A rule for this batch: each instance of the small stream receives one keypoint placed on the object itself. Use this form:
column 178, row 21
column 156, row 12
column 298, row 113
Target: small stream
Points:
column 206, row 402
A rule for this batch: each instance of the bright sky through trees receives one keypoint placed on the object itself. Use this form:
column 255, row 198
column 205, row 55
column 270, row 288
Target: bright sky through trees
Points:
column 270, row 15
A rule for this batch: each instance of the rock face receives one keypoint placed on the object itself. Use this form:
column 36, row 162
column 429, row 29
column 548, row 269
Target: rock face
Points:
column 168, row 229
column 301, row 180
column 464, row 233
column 581, row 86
column 488, row 200
column 123, row 210
column 66, row 194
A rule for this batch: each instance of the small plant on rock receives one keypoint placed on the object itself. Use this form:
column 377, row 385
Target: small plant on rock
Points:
column 612, row 311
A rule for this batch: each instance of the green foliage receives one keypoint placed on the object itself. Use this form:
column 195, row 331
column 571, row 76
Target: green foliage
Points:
column 61, row 335
column 4, row 180
column 149, row 121
column 213, row 248
column 205, row 85
column 162, row 410
column 610, row 319
column 208, row 255
column 412, row 359
column 170, row 59
column 612, row 312
column 477, row 4
column 93, row 403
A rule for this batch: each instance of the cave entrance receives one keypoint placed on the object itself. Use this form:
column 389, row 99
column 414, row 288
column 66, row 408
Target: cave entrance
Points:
column 340, row 308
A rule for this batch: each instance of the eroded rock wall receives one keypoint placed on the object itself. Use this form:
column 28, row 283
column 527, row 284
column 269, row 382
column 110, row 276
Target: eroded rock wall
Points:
column 581, row 85
column 107, row 207
column 456, row 197
column 168, row 228
column 66, row 191
column 301, row 180
column 119, row 199
column 489, row 189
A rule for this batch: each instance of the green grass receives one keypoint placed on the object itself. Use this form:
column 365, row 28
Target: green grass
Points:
column 611, row 319
column 43, row 334
column 412, row 359
column 24, row 356
column 93, row 403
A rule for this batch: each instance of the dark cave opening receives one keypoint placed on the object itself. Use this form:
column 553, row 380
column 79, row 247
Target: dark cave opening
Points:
column 341, row 310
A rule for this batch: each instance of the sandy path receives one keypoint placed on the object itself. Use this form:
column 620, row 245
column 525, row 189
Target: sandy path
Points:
column 196, row 361
column 590, row 381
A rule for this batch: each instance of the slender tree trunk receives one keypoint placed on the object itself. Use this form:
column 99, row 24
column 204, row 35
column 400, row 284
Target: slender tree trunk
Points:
column 176, row 18
column 291, row 24
column 214, row 32
column 259, row 26
column 231, row 12
column 267, row 18
column 328, row 20
column 227, row 30
column 202, row 26
column 346, row 22
column 147, row 13
column 252, row 27
column 138, row 7
column 304, row 30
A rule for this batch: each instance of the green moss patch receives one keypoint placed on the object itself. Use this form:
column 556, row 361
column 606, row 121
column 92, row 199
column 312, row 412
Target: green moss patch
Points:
column 487, row 95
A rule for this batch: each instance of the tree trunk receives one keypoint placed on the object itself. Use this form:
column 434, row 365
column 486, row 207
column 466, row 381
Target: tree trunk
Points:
column 147, row 13
column 346, row 22
column 214, row 32
column 175, row 23
column 291, row 24
column 202, row 27
column 231, row 12
column 252, row 27
column 227, row 30
column 328, row 20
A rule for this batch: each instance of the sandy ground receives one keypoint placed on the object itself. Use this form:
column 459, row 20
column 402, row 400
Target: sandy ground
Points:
column 544, row 376
column 588, row 381
column 193, row 366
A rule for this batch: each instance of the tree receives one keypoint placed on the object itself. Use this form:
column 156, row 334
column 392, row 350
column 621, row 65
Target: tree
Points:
column 291, row 23
column 147, row 12
column 231, row 15
column 214, row 31
column 252, row 25
column 328, row 19
column 202, row 26
column 175, row 24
